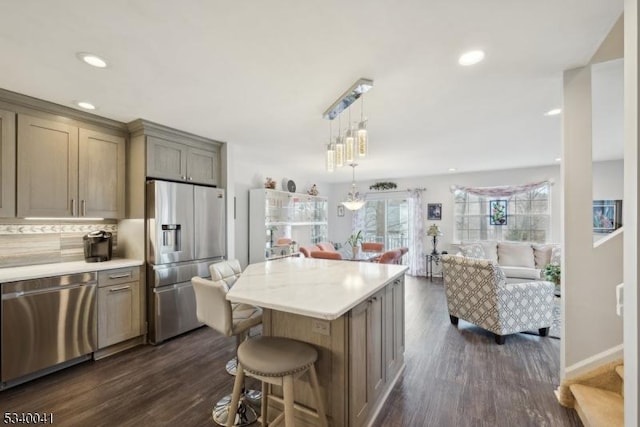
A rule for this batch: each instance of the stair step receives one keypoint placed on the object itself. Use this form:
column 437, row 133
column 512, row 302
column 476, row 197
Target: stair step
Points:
column 598, row 407
column 620, row 371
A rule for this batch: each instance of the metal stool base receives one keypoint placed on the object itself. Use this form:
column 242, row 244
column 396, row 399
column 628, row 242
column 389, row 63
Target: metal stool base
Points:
column 244, row 416
column 232, row 366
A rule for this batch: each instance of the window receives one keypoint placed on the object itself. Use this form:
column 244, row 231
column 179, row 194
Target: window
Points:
column 528, row 215
column 387, row 221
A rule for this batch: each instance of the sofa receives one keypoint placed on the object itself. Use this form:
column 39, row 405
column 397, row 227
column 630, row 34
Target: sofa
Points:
column 477, row 292
column 520, row 261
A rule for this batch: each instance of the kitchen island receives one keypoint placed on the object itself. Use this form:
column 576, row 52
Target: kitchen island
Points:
column 352, row 312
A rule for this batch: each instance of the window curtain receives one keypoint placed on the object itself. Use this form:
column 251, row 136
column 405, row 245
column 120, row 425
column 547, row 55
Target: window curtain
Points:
column 416, row 258
column 502, row 191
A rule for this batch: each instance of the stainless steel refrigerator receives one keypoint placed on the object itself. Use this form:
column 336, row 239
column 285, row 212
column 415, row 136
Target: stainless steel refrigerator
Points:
column 185, row 234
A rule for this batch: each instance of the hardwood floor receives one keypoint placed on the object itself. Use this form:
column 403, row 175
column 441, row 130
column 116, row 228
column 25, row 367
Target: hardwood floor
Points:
column 453, row 377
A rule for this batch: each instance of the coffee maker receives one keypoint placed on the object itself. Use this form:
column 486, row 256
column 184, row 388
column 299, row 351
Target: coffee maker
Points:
column 97, row 246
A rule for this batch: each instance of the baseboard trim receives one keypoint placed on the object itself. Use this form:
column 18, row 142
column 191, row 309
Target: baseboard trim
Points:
column 594, row 361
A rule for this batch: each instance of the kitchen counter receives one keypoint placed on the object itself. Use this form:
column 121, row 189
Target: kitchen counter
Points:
column 12, row 274
column 319, row 288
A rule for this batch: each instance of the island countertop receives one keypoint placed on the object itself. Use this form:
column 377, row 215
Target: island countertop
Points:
column 324, row 289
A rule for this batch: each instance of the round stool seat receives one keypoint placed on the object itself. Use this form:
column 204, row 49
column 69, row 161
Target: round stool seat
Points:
column 276, row 356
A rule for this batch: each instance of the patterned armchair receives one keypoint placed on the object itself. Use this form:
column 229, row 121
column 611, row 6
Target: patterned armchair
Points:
column 477, row 291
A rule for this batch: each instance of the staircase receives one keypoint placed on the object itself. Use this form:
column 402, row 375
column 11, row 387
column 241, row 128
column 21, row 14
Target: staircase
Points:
column 597, row 396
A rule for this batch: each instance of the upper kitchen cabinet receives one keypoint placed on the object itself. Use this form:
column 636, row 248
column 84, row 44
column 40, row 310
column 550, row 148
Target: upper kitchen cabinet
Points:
column 175, row 155
column 175, row 161
column 8, row 164
column 67, row 171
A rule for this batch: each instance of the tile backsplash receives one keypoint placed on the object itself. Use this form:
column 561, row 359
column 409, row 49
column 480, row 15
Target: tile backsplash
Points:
column 26, row 244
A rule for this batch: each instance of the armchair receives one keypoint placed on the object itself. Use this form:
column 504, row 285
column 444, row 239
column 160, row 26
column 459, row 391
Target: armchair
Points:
column 477, row 291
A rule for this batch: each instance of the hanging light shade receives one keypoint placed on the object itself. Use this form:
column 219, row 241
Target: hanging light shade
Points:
column 331, row 158
column 354, row 201
column 340, row 148
column 349, row 147
column 363, row 137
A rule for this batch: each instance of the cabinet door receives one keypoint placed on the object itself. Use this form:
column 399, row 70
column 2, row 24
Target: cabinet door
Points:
column 359, row 390
column 118, row 313
column 101, row 187
column 394, row 327
column 8, row 164
column 47, row 168
column 377, row 371
column 202, row 166
column 166, row 159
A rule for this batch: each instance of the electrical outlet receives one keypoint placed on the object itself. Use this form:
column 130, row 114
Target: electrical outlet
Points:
column 322, row 327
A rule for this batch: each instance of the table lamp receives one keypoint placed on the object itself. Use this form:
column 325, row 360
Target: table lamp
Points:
column 434, row 231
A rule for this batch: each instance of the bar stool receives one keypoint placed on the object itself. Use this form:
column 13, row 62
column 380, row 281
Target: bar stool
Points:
column 277, row 361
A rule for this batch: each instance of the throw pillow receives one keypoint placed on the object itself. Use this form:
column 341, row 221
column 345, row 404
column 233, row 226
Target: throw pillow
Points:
column 473, row 250
column 490, row 248
column 542, row 254
column 515, row 255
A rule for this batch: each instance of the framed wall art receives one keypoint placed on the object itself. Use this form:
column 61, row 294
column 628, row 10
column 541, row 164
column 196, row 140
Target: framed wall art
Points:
column 434, row 211
column 497, row 212
column 340, row 210
column 607, row 215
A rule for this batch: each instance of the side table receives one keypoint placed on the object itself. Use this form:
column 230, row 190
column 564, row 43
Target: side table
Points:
column 433, row 260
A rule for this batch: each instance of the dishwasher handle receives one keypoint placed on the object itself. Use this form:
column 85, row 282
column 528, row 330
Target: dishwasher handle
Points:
column 19, row 294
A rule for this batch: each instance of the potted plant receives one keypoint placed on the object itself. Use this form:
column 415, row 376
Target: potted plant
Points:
column 353, row 241
column 551, row 272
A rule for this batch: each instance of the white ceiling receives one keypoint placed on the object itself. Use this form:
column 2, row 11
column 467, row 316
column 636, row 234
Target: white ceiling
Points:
column 259, row 74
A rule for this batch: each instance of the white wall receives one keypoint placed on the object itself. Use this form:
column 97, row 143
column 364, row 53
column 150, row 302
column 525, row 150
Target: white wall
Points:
column 630, row 209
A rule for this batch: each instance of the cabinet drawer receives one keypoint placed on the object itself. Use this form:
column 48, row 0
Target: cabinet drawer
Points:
column 120, row 275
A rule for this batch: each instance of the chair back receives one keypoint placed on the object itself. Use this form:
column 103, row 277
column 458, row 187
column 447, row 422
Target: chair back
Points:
column 306, row 250
column 390, row 257
column 227, row 271
column 326, row 246
column 212, row 307
column 326, row 255
column 372, row 247
column 283, row 241
column 470, row 276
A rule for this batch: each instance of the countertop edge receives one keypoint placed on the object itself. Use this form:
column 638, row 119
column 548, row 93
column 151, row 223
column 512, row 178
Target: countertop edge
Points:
column 13, row 274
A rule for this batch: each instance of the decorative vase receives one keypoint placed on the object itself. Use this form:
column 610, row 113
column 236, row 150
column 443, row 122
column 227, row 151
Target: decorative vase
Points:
column 355, row 251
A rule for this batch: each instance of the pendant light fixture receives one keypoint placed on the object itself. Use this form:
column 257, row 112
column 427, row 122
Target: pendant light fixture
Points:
column 363, row 137
column 349, row 143
column 339, row 147
column 330, row 154
column 354, row 201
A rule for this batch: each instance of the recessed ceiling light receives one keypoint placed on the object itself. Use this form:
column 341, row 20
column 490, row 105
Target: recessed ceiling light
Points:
column 558, row 159
column 86, row 105
column 452, row 169
column 553, row 112
column 91, row 59
column 470, row 58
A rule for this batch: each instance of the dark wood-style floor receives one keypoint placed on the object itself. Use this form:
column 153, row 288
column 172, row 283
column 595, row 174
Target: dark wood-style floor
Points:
column 453, row 377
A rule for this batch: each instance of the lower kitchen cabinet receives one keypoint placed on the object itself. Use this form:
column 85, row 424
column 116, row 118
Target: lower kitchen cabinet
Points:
column 119, row 316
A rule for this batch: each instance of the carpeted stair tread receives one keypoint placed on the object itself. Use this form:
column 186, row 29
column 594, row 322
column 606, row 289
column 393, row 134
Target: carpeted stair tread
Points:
column 620, row 371
column 598, row 407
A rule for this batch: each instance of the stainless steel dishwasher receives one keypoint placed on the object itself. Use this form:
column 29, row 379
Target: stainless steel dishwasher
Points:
column 46, row 322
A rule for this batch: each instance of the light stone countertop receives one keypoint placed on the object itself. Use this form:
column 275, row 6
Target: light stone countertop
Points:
column 324, row 289
column 12, row 274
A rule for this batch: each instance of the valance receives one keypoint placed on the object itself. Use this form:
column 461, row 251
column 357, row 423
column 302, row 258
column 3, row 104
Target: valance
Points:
column 501, row 191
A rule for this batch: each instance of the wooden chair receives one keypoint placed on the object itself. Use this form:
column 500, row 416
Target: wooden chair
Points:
column 372, row 247
column 326, row 246
column 390, row 257
column 326, row 255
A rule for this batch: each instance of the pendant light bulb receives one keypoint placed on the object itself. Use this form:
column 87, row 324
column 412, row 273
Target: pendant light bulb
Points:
column 362, row 134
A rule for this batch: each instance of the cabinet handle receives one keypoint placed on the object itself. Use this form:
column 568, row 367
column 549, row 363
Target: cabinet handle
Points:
column 183, row 177
column 122, row 288
column 73, row 207
column 83, row 207
column 119, row 276
column 190, row 178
